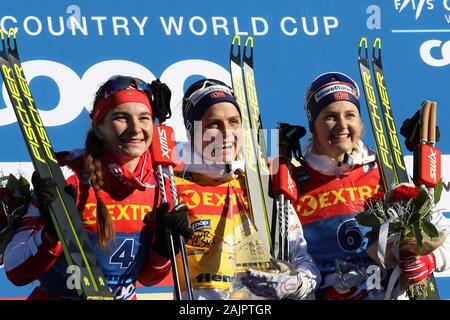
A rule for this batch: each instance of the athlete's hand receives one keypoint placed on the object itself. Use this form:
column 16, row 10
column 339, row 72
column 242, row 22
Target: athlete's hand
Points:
column 283, row 283
column 176, row 222
column 44, row 190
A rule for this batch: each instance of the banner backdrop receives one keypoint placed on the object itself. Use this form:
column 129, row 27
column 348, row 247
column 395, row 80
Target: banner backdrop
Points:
column 68, row 48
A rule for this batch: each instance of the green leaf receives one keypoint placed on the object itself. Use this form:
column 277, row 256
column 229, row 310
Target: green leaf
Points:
column 438, row 191
column 395, row 227
column 24, row 187
column 429, row 229
column 368, row 219
column 418, row 235
column 425, row 210
column 408, row 232
column 422, row 197
column 415, row 217
column 13, row 183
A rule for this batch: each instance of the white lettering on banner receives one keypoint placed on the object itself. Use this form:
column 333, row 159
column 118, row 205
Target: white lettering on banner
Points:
column 257, row 32
column 100, row 24
column 220, row 22
column 120, row 23
column 73, row 102
column 447, row 5
column 203, row 29
column 60, row 32
column 78, row 25
column 328, row 23
column 435, row 61
column 38, row 25
column 34, row 26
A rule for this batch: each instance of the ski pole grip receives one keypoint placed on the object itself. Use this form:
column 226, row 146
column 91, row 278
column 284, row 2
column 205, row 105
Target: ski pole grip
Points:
column 424, row 121
column 164, row 147
column 283, row 184
column 432, row 124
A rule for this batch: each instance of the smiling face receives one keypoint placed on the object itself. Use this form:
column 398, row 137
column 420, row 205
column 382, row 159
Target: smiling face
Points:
column 126, row 132
column 221, row 133
column 337, row 129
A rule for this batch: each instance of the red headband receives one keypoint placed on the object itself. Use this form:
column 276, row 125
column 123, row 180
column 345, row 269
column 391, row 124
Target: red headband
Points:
column 104, row 105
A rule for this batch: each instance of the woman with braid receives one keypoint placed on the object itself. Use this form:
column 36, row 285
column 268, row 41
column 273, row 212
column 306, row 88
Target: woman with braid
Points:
column 116, row 192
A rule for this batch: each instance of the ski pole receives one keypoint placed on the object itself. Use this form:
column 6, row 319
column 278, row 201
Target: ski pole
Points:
column 164, row 155
column 427, row 164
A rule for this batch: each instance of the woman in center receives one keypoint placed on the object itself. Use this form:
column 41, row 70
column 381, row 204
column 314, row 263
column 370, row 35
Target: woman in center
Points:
column 212, row 185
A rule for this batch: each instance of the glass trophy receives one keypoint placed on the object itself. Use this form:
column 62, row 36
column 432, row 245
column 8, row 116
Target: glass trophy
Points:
column 249, row 252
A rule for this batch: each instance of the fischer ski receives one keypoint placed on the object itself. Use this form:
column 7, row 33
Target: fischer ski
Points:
column 77, row 247
column 257, row 173
column 383, row 97
column 390, row 155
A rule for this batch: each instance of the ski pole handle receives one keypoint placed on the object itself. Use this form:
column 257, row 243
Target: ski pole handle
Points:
column 282, row 179
column 427, row 158
column 424, row 121
column 432, row 125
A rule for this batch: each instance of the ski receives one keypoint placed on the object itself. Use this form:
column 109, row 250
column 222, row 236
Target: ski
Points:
column 383, row 97
column 390, row 155
column 383, row 152
column 89, row 280
column 256, row 167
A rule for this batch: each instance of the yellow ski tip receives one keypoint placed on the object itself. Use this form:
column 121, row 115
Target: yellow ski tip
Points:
column 249, row 39
column 12, row 31
column 236, row 38
column 363, row 42
column 377, row 43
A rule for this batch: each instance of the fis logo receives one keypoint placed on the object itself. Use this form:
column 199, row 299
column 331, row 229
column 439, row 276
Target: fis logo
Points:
column 201, row 224
column 417, row 5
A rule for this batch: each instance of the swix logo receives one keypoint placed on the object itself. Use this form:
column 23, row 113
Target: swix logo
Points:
column 164, row 143
column 417, row 5
column 291, row 184
column 433, row 164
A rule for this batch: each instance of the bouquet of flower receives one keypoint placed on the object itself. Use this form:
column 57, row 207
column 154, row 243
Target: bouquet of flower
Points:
column 405, row 211
column 14, row 200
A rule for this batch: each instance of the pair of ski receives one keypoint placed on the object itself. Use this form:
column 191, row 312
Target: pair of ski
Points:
column 390, row 156
column 257, row 172
column 269, row 218
column 89, row 280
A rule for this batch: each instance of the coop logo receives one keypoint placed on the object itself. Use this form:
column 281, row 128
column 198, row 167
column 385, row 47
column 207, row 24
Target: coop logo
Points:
column 431, row 55
column 73, row 102
column 201, row 224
